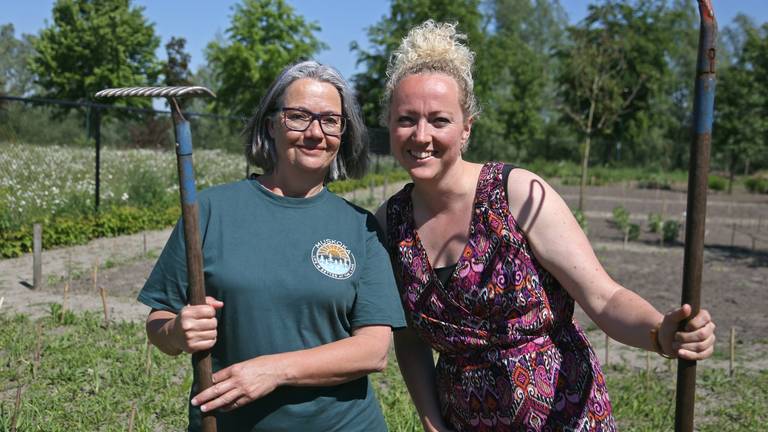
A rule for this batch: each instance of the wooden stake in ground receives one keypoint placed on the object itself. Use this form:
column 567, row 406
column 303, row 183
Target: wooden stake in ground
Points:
column 732, row 359
column 647, row 366
column 38, row 350
column 2, row 299
column 37, row 256
column 103, row 293
column 148, row 359
column 131, row 416
column 16, row 409
column 64, row 301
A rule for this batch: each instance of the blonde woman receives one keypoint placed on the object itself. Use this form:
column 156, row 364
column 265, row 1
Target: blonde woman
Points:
column 489, row 262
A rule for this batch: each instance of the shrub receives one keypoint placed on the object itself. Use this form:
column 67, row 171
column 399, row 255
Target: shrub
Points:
column 655, row 222
column 633, row 232
column 670, row 231
column 656, row 181
column 717, row 183
column 621, row 218
column 757, row 183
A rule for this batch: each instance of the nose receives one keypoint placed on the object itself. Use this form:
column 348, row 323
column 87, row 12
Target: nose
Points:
column 314, row 130
column 421, row 132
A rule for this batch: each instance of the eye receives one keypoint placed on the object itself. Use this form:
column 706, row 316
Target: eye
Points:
column 330, row 120
column 297, row 115
column 441, row 121
column 406, row 121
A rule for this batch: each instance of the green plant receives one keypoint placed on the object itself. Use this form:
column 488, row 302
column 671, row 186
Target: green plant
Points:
column 633, row 232
column 581, row 220
column 717, row 183
column 655, row 222
column 655, row 181
column 670, row 231
column 758, row 183
column 621, row 218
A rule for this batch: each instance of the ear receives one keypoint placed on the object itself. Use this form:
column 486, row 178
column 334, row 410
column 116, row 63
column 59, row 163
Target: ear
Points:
column 465, row 133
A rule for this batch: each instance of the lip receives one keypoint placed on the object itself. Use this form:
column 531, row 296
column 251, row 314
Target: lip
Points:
column 421, row 156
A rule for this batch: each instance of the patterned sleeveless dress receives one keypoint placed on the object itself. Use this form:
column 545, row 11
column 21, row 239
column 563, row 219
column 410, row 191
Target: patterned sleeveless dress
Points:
column 511, row 356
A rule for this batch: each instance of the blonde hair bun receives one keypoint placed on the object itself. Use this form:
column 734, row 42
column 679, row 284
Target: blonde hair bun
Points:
column 433, row 47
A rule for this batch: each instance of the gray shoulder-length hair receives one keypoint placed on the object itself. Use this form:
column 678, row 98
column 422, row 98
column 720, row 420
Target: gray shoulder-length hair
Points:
column 352, row 159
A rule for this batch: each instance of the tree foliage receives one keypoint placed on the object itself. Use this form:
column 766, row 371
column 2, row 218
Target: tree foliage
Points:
column 15, row 77
column 741, row 118
column 264, row 36
column 92, row 45
column 386, row 35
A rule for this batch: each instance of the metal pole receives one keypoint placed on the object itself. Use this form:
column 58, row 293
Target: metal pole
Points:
column 95, row 123
column 201, row 361
column 703, row 109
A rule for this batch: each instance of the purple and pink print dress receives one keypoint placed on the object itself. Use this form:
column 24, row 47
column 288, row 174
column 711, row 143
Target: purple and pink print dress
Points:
column 511, row 356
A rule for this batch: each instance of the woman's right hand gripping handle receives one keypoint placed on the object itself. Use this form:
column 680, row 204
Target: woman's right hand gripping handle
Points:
column 192, row 329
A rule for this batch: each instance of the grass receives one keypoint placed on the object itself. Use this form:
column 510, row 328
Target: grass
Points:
column 88, row 378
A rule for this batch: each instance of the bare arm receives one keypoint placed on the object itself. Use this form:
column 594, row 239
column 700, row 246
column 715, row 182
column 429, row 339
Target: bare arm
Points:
column 418, row 369
column 414, row 357
column 192, row 329
column 334, row 363
column 562, row 248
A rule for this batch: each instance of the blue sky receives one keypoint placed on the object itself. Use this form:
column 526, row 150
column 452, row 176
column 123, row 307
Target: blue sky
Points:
column 342, row 21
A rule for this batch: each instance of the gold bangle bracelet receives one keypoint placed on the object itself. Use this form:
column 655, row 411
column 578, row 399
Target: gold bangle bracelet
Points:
column 656, row 343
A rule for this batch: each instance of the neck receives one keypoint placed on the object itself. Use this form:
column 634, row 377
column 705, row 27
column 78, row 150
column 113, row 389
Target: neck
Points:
column 449, row 191
column 294, row 186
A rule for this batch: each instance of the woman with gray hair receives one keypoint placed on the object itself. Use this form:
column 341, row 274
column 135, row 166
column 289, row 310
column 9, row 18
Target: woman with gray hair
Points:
column 490, row 262
column 297, row 277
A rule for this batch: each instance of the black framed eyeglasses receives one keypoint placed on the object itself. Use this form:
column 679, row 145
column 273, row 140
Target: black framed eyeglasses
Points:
column 298, row 119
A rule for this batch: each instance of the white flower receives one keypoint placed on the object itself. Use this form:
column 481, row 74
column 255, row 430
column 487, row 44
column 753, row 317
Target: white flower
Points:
column 124, row 197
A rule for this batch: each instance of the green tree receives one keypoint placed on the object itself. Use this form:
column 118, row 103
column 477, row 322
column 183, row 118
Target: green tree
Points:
column 515, row 79
column 15, row 76
column 95, row 44
column 176, row 68
column 264, row 36
column 386, row 35
column 741, row 128
column 594, row 91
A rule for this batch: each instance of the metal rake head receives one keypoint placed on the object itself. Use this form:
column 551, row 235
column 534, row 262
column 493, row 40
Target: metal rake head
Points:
column 167, row 92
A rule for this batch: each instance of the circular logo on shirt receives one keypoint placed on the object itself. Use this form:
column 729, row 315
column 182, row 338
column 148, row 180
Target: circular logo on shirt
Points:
column 333, row 259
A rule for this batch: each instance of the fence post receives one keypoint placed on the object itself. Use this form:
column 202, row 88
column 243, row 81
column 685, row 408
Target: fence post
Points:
column 37, row 256
column 94, row 132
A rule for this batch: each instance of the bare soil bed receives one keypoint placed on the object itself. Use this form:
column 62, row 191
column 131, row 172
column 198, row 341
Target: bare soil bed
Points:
column 734, row 277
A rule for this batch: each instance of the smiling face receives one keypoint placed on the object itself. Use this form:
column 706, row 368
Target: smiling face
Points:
column 310, row 151
column 427, row 128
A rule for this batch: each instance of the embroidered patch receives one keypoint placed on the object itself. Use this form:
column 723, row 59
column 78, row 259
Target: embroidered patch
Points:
column 333, row 259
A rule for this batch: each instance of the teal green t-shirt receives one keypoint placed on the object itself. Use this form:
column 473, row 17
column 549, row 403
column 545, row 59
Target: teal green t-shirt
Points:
column 293, row 273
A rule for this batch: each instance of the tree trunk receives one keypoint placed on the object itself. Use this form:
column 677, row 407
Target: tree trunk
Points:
column 584, row 167
column 731, row 173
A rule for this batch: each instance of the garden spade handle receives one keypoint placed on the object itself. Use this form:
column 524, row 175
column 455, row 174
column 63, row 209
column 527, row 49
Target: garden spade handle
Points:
column 201, row 361
column 696, row 211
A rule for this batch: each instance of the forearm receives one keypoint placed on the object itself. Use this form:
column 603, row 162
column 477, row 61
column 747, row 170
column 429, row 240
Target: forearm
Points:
column 628, row 318
column 417, row 367
column 336, row 362
column 161, row 333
